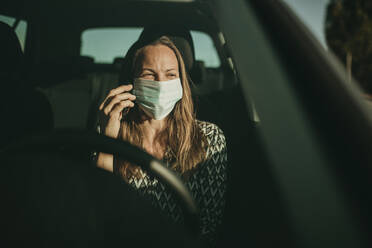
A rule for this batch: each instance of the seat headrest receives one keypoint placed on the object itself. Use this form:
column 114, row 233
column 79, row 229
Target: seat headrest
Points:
column 179, row 35
column 198, row 73
column 11, row 59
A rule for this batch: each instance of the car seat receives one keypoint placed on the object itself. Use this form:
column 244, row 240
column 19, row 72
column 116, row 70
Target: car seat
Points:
column 24, row 110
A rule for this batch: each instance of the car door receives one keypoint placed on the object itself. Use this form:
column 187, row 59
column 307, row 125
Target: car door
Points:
column 314, row 130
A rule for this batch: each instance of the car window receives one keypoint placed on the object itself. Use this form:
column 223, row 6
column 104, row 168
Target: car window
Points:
column 105, row 44
column 313, row 15
column 205, row 49
column 20, row 29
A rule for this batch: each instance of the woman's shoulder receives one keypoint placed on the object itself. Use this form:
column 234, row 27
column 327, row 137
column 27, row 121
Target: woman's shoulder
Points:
column 214, row 136
column 210, row 130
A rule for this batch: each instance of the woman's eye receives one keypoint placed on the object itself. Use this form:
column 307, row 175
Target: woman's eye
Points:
column 147, row 76
column 172, row 75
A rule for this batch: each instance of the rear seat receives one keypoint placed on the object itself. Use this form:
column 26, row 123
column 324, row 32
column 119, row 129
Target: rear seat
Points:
column 70, row 101
column 73, row 94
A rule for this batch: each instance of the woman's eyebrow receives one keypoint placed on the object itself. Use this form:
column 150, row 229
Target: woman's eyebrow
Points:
column 148, row 69
column 171, row 69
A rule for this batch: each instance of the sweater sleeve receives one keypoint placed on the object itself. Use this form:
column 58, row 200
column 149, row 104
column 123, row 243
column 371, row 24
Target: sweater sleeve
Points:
column 208, row 184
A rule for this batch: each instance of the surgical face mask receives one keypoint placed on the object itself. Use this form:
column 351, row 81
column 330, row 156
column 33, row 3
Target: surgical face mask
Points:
column 155, row 98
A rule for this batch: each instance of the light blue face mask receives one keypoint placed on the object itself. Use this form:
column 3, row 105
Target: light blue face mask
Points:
column 157, row 98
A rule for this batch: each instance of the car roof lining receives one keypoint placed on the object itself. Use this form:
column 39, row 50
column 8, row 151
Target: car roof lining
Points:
column 88, row 14
column 71, row 18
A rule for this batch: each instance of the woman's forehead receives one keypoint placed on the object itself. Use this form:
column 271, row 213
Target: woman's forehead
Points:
column 158, row 55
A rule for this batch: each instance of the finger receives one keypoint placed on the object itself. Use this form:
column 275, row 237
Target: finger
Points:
column 120, row 106
column 116, row 99
column 120, row 89
column 114, row 92
column 116, row 111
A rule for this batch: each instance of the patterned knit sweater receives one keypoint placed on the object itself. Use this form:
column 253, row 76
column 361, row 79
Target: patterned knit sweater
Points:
column 207, row 184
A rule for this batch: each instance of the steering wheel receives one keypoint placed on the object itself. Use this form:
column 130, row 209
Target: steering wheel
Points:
column 85, row 141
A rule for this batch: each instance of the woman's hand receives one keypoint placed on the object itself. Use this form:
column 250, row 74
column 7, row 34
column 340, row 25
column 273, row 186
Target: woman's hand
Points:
column 112, row 107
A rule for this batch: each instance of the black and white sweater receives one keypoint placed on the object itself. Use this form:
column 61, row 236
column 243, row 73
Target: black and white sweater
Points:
column 207, row 184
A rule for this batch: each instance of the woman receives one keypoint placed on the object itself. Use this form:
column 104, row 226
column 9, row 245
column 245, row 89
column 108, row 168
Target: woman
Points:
column 156, row 113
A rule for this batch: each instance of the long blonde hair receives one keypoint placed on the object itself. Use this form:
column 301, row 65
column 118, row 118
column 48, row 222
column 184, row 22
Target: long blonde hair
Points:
column 182, row 136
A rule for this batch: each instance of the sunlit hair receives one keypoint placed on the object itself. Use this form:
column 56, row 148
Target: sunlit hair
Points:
column 181, row 135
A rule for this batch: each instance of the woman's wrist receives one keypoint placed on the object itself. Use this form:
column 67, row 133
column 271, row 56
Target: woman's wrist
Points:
column 105, row 161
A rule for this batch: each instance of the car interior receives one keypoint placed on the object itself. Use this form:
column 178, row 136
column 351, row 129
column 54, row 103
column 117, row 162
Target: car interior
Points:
column 65, row 83
column 73, row 84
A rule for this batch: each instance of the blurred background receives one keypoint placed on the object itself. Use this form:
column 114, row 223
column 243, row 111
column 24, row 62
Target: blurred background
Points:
column 343, row 27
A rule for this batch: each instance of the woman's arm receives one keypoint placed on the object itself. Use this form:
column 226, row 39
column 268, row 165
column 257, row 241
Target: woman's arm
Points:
column 105, row 161
column 110, row 117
